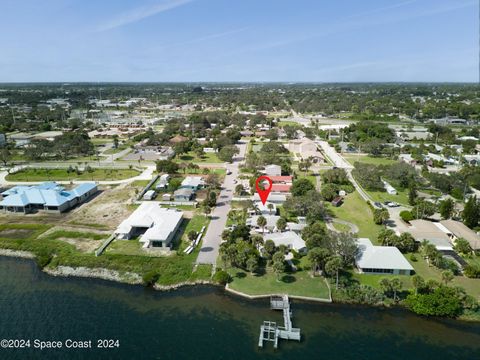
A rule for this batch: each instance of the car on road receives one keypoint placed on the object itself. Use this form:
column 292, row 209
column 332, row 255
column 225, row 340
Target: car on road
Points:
column 229, row 172
column 392, row 204
column 378, row 205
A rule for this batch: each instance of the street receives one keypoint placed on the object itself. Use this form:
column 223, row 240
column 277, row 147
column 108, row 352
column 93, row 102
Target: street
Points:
column 213, row 237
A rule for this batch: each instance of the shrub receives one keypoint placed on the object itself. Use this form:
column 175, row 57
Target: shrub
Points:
column 443, row 301
column 472, row 271
column 413, row 257
column 43, row 259
column 150, row 278
column 222, row 277
column 406, row 215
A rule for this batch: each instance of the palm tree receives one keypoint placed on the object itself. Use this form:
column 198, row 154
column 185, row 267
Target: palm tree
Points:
column 333, row 266
column 262, row 222
column 447, row 276
column 270, row 208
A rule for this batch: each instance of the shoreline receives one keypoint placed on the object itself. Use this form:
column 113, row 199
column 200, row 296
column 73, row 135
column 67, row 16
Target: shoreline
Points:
column 130, row 278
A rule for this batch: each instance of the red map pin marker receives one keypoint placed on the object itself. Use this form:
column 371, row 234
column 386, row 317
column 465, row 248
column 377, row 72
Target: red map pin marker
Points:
column 263, row 193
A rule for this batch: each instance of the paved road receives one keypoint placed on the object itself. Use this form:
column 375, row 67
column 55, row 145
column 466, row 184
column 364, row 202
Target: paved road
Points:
column 211, row 242
column 341, row 163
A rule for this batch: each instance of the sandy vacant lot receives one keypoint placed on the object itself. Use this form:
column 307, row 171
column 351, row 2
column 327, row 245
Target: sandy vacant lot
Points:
column 106, row 210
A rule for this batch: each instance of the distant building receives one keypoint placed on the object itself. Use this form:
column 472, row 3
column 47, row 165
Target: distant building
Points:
column 273, row 198
column 208, row 150
column 373, row 259
column 178, row 139
column 155, row 225
column 48, row 196
column 162, row 182
column 268, row 209
column 193, row 182
column 149, row 195
column 457, row 229
column 431, row 232
column 273, row 170
column 271, row 225
column 183, row 194
column 389, row 188
column 338, row 201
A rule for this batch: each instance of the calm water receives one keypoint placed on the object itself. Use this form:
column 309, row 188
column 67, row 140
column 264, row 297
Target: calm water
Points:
column 206, row 323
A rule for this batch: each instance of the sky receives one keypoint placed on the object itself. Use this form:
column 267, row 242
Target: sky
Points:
column 239, row 40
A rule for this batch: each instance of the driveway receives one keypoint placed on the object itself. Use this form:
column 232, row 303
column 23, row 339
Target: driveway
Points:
column 211, row 242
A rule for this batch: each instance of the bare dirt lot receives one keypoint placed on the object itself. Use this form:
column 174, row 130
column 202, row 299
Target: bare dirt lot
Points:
column 107, row 210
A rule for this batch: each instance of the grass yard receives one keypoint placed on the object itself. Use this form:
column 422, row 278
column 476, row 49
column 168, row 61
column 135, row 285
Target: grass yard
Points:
column 381, row 196
column 289, row 123
column 50, row 251
column 369, row 160
column 192, row 157
column 341, row 227
column 472, row 286
column 356, row 210
column 195, row 223
column 299, row 284
column 63, row 175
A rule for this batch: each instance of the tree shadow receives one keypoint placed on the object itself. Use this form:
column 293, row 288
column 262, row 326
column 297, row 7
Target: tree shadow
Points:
column 288, row 279
column 240, row 275
column 186, row 157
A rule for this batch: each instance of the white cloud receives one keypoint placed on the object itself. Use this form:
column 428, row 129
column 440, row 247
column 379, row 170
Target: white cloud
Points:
column 140, row 13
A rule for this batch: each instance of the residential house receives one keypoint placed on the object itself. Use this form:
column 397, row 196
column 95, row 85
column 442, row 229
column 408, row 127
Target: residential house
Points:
column 48, row 196
column 432, row 232
column 338, row 201
column 271, row 225
column 372, row 259
column 155, row 225
column 183, row 194
column 457, row 229
column 273, row 170
column 290, row 239
column 193, row 182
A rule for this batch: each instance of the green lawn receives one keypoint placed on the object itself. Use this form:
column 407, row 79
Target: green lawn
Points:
column 369, row 159
column 192, row 157
column 341, row 227
column 381, row 196
column 299, row 284
column 472, row 286
column 63, row 175
column 356, row 210
column 52, row 252
column 113, row 151
column 289, row 123
column 196, row 223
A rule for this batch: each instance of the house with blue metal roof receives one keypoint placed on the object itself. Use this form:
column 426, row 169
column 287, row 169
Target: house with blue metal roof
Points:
column 48, row 196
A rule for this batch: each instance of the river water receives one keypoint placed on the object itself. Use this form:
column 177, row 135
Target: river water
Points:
column 205, row 323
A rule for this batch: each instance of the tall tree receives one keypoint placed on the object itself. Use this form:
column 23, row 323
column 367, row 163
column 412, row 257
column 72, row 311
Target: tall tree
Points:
column 333, row 266
column 262, row 222
column 446, row 208
column 471, row 212
column 281, row 224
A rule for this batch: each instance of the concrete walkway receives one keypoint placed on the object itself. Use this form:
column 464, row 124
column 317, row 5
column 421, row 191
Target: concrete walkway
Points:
column 213, row 237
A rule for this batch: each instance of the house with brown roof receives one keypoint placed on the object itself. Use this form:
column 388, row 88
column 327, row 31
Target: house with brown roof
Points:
column 178, row 139
column 459, row 230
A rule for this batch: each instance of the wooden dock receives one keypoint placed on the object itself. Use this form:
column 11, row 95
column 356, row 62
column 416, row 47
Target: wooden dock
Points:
column 270, row 331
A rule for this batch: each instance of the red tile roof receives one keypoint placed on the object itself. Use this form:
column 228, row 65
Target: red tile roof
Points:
column 277, row 179
column 281, row 187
